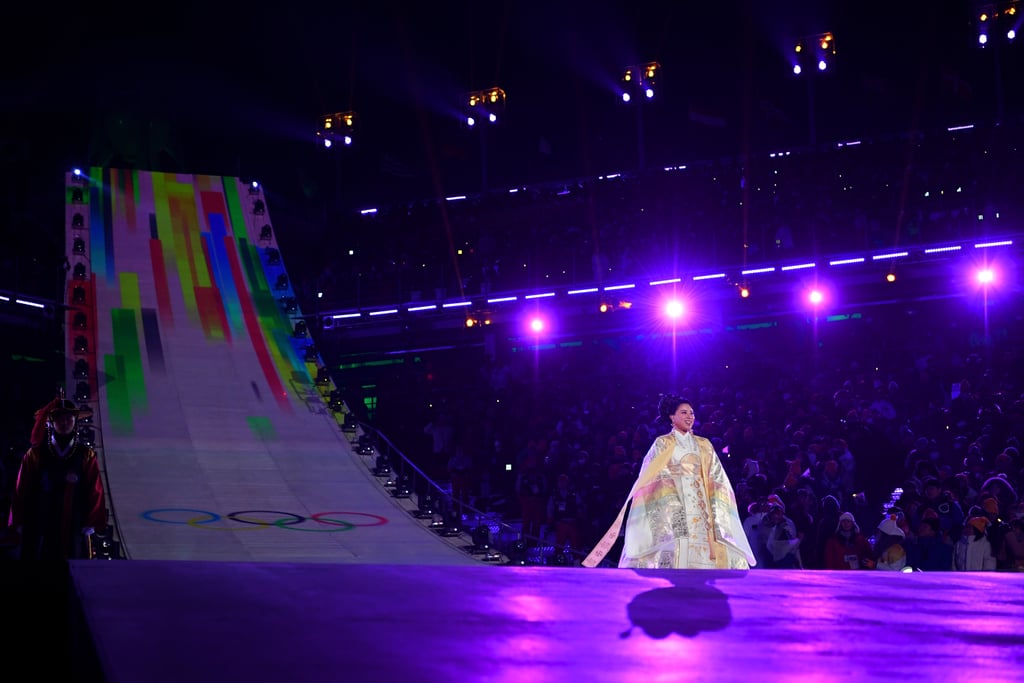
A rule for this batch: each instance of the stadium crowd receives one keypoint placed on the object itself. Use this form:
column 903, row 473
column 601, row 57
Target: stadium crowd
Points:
column 923, row 427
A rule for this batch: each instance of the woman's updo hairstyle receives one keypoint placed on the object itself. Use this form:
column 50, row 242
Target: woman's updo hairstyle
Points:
column 668, row 404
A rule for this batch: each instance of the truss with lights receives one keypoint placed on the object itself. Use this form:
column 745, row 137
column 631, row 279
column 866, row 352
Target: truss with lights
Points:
column 857, row 279
column 484, row 106
column 339, row 128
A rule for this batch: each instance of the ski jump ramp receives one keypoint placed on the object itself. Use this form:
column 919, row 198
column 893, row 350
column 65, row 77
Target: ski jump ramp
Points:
column 215, row 437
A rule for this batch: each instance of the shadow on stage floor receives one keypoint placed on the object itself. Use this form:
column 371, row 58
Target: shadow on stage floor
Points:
column 154, row 621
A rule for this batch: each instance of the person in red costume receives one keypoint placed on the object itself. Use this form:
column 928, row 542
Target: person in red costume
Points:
column 58, row 498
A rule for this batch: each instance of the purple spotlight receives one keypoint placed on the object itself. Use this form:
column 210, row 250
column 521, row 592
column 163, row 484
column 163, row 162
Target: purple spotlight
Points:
column 327, row 143
column 1011, row 34
column 493, row 118
column 77, row 171
column 348, row 139
column 674, row 309
column 625, row 97
column 822, row 65
column 650, row 93
column 816, row 296
column 470, row 121
column 986, row 276
column 797, row 69
column 982, row 39
column 536, row 325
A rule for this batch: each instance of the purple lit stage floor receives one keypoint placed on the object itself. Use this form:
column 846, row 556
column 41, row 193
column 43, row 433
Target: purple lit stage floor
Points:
column 203, row 621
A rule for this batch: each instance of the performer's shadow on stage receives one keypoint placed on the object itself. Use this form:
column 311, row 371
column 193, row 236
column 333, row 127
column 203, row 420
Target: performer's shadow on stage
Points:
column 688, row 608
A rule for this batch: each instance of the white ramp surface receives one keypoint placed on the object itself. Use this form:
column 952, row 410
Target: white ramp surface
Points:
column 216, row 441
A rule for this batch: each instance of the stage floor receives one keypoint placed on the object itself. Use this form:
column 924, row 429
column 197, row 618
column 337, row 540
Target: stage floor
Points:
column 212, row 621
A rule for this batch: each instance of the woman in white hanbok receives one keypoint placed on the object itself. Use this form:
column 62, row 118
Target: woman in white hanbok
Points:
column 683, row 512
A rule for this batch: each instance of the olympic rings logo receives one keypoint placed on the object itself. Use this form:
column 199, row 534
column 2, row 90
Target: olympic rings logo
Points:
column 248, row 521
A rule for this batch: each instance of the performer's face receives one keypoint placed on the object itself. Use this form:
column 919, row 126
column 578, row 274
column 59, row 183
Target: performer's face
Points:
column 63, row 423
column 682, row 419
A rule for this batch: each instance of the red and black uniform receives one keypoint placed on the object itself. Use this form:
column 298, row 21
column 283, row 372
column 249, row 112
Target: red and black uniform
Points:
column 59, row 493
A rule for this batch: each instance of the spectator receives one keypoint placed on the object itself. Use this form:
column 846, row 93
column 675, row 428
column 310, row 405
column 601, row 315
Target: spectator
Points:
column 1014, row 543
column 973, row 552
column 890, row 551
column 847, row 548
column 928, row 550
column 531, row 490
column 781, row 539
column 564, row 508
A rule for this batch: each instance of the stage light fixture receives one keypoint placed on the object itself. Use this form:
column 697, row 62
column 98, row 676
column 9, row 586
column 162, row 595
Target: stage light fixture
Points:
column 300, row 329
column 77, row 221
column 488, row 104
column 81, row 344
column 481, row 539
column 266, row 233
column 289, row 304
column 426, row 506
column 78, row 295
column 403, row 488
column 639, row 78
column 79, row 271
column 78, row 246
column 452, row 523
column 81, row 369
column 336, row 402
column 818, row 49
column 338, row 127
